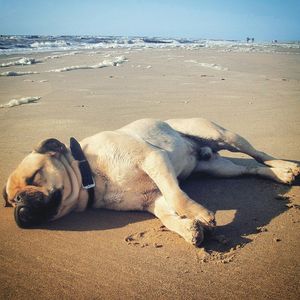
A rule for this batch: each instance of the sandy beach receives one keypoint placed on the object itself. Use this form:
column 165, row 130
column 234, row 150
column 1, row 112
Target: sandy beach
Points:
column 254, row 252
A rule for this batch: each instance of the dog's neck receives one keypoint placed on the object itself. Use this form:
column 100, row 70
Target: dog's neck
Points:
column 80, row 198
column 88, row 183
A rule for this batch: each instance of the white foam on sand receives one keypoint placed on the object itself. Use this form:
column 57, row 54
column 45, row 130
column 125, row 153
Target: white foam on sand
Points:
column 207, row 65
column 106, row 63
column 13, row 73
column 16, row 102
column 31, row 80
column 213, row 66
column 21, row 62
column 191, row 61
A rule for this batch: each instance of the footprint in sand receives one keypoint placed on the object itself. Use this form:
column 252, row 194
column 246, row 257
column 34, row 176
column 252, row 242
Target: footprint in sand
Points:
column 135, row 239
column 145, row 238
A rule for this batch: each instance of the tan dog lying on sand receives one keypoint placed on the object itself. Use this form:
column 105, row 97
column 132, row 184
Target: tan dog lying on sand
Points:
column 136, row 167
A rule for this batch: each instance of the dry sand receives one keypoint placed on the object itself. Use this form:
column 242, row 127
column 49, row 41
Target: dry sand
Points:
column 127, row 255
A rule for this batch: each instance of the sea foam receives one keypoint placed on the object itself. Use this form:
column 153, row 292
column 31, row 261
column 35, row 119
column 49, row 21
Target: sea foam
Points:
column 50, row 44
column 106, row 63
column 13, row 73
column 207, row 65
column 213, row 66
column 21, row 62
column 16, row 102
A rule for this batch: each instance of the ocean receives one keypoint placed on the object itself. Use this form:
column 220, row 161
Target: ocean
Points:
column 18, row 44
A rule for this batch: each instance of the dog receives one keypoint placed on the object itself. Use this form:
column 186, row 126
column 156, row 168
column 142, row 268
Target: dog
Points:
column 136, row 167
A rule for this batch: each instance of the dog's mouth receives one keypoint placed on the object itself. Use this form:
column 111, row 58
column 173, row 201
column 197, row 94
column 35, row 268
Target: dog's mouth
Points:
column 35, row 208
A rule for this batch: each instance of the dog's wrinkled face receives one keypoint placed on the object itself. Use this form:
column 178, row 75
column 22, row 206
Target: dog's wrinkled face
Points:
column 39, row 185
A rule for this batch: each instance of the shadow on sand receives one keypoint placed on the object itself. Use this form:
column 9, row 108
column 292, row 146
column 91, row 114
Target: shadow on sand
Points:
column 253, row 203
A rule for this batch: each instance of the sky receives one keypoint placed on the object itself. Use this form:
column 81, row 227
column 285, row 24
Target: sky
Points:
column 213, row 19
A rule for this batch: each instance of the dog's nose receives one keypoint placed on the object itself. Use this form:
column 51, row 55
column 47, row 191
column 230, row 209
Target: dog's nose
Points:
column 24, row 216
column 27, row 208
column 34, row 208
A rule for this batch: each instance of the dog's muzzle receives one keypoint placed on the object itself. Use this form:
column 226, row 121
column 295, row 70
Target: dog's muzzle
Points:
column 32, row 209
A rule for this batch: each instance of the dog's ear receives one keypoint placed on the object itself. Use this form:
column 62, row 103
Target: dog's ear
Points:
column 5, row 197
column 51, row 146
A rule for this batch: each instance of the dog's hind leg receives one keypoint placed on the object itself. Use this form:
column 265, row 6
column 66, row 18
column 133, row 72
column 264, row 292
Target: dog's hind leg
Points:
column 190, row 230
column 207, row 133
column 158, row 167
column 236, row 143
column 221, row 167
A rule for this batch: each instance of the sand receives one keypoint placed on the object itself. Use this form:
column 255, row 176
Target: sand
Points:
column 98, row 254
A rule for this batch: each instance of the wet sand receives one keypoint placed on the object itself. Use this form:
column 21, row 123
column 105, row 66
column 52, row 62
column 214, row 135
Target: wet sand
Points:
column 254, row 253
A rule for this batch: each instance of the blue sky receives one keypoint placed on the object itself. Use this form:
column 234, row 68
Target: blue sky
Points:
column 215, row 19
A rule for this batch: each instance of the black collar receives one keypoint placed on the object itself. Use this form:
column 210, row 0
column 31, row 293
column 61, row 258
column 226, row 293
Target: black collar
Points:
column 88, row 182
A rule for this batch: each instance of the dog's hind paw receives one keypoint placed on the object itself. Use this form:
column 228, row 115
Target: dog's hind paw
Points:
column 296, row 170
column 283, row 175
column 283, row 164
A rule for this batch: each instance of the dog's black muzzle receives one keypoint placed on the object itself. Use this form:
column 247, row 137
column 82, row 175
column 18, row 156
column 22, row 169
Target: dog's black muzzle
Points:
column 34, row 208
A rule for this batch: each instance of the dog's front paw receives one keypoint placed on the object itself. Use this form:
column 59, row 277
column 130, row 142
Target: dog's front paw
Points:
column 207, row 219
column 197, row 233
column 193, row 232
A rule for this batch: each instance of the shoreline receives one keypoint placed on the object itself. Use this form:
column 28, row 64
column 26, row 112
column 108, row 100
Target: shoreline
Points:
column 32, row 44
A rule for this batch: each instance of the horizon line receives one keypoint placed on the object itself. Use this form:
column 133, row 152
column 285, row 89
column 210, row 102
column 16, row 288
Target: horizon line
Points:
column 150, row 36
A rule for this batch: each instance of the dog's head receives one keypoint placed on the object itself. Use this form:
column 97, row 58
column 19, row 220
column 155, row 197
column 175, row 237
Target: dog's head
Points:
column 42, row 185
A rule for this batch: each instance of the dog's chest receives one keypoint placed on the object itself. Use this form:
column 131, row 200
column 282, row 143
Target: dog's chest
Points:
column 131, row 190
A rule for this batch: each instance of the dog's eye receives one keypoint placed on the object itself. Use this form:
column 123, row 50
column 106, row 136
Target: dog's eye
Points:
column 30, row 180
